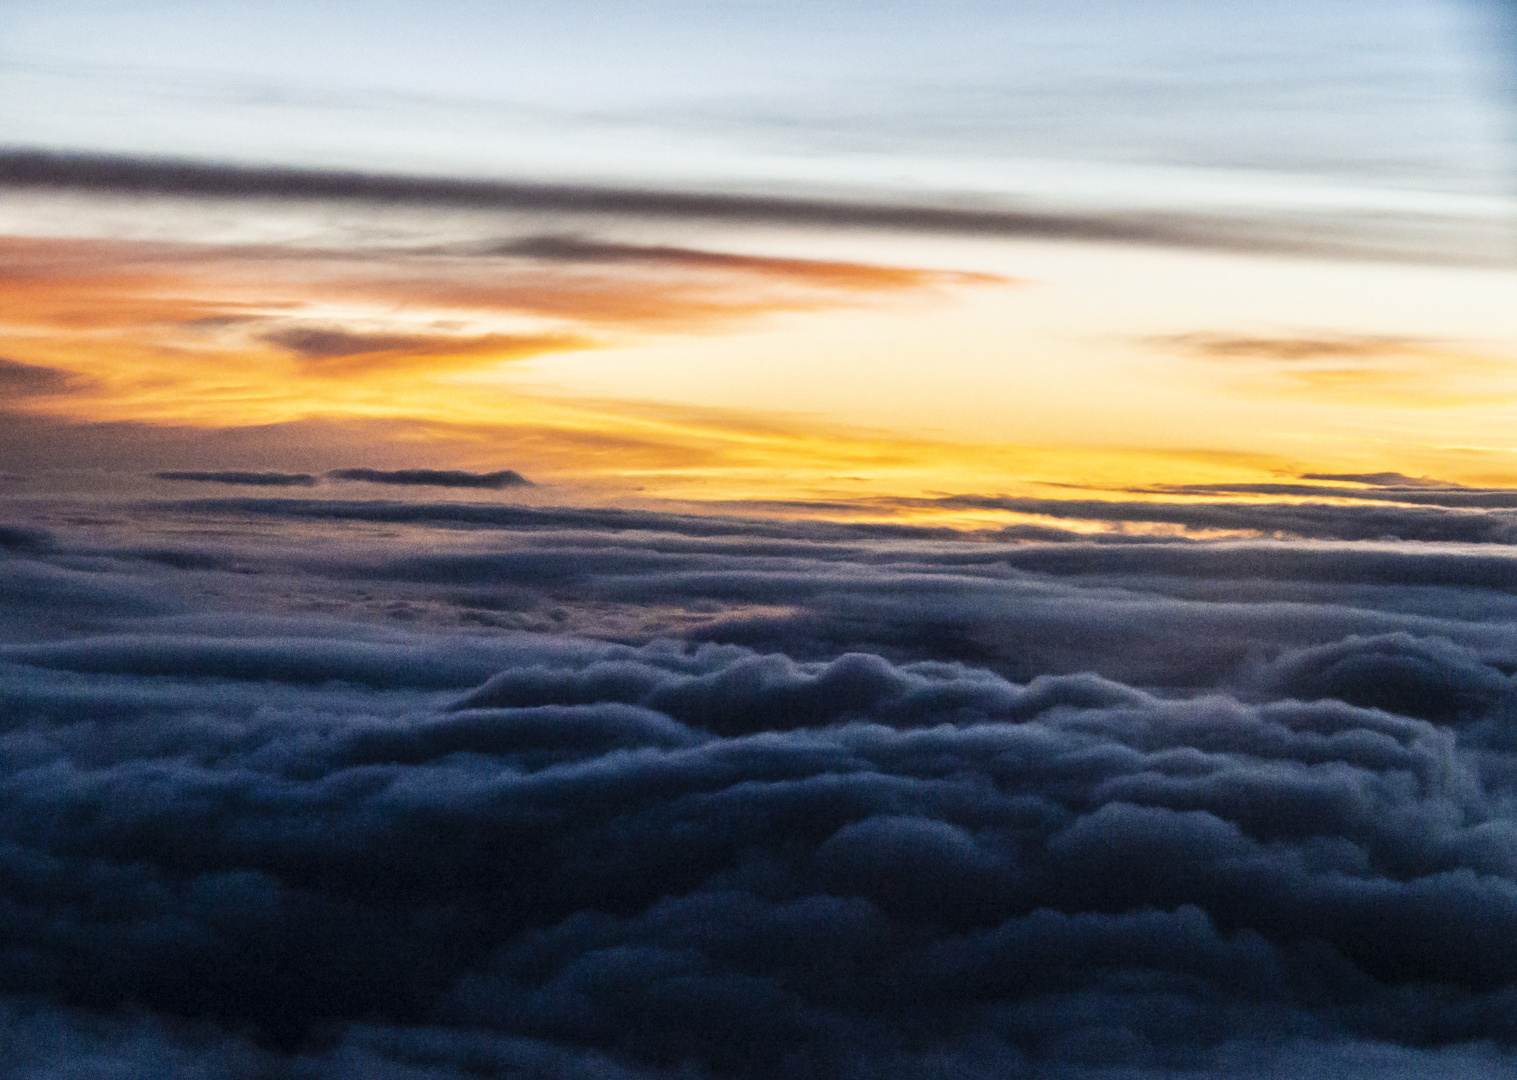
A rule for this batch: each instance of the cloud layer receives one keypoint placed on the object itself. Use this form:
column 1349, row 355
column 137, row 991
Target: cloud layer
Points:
column 1308, row 234
column 250, row 479
column 454, row 478
column 558, row 792
column 1458, row 515
column 448, row 478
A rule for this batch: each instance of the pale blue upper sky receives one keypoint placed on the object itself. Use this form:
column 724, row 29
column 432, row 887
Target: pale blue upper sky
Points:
column 1389, row 105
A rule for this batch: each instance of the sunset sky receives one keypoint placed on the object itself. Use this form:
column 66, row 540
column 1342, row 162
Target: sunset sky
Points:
column 761, row 251
column 682, row 540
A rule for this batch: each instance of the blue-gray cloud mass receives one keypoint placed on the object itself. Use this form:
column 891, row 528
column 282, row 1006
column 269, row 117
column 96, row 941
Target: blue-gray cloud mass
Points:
column 522, row 791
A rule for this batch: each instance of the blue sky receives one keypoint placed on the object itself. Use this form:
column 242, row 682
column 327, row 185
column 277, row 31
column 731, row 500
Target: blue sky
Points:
column 1175, row 101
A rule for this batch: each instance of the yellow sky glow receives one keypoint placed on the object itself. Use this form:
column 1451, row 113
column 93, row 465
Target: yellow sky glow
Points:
column 894, row 366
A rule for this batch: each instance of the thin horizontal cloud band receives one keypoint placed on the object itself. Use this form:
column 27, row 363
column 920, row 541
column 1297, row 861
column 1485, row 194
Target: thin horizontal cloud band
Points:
column 24, row 168
column 1306, row 520
column 449, row 478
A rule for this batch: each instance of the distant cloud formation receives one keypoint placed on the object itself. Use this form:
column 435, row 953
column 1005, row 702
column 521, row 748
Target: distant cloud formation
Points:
column 332, row 351
column 1287, row 348
column 566, row 248
column 252, row 479
column 1356, row 369
column 1377, row 487
column 1307, row 520
column 1381, row 479
column 21, row 538
column 591, row 792
column 454, row 478
column 451, row 478
column 19, row 380
column 1307, row 234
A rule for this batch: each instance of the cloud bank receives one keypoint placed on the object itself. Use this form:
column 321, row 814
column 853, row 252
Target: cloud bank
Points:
column 573, row 793
column 252, row 479
column 450, row 478
column 454, row 478
column 31, row 380
column 1454, row 516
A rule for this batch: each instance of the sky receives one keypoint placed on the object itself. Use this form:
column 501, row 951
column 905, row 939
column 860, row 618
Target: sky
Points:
column 758, row 539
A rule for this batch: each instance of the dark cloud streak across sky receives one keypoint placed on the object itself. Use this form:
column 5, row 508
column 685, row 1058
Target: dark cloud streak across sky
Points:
column 1315, row 521
column 27, row 168
column 447, row 478
column 251, row 479
column 1451, row 495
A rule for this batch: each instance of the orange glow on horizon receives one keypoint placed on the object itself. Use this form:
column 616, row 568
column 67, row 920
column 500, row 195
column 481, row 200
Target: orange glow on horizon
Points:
column 714, row 376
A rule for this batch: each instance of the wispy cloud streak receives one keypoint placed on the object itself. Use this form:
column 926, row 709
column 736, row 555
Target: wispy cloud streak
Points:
column 252, row 479
column 1309, row 234
column 1307, row 520
column 453, row 478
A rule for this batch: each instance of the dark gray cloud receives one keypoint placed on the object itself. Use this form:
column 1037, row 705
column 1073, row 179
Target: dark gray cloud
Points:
column 24, row 538
column 599, row 519
column 1313, row 521
column 1381, row 489
column 453, row 478
column 1381, row 479
column 324, row 343
column 18, row 380
column 574, row 249
column 849, row 801
column 97, row 172
column 1307, row 233
column 252, row 479
column 335, row 352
